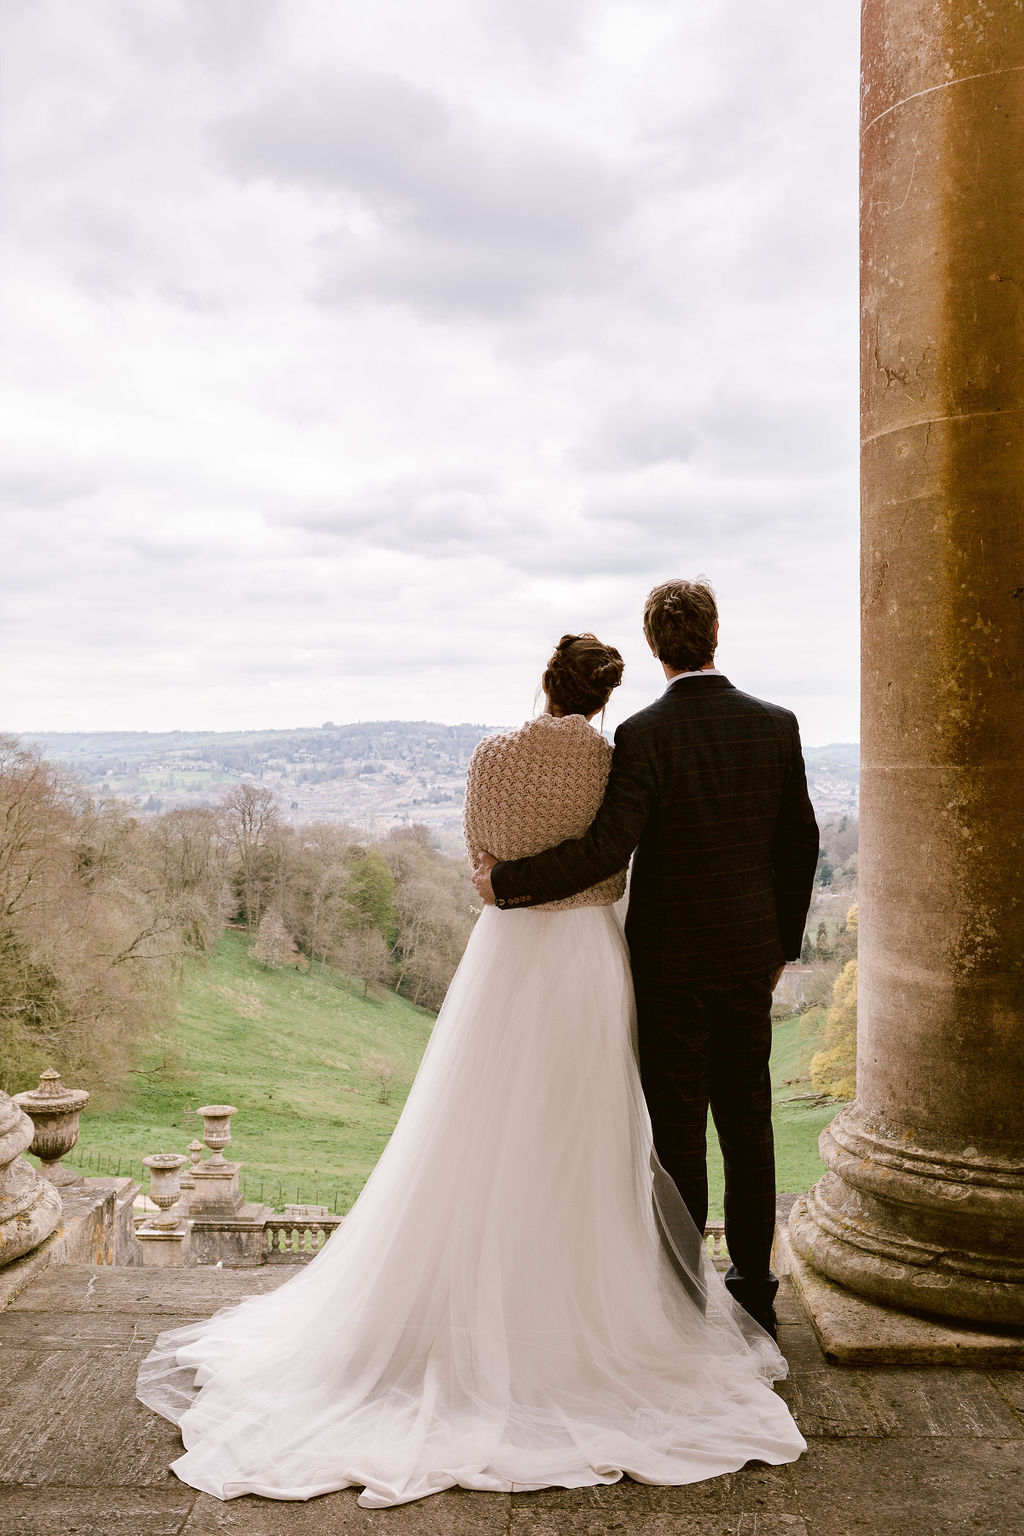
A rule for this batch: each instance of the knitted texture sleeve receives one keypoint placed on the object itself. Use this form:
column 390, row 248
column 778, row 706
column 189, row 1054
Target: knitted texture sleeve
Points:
column 530, row 789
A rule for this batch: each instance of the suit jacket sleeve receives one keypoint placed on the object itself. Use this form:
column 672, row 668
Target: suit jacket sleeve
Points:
column 794, row 854
column 604, row 848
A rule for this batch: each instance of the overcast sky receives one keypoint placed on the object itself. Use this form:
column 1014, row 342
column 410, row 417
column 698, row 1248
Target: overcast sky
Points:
column 353, row 352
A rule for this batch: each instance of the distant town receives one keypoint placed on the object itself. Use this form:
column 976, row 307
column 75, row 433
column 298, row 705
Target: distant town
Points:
column 374, row 775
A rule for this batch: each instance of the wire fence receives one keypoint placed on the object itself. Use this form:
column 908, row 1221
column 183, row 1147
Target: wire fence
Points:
column 265, row 1189
column 279, row 1192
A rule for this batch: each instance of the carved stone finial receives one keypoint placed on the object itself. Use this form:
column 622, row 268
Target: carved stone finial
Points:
column 217, row 1129
column 54, row 1111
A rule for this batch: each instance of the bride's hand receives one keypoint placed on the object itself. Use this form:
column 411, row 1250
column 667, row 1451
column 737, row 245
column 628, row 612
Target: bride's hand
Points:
column 482, row 879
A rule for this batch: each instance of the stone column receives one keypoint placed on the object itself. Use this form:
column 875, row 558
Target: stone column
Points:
column 923, row 1206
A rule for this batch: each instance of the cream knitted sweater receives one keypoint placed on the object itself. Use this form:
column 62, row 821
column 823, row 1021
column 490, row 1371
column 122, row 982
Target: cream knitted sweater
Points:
column 530, row 789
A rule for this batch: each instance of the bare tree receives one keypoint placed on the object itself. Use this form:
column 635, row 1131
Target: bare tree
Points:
column 363, row 953
column 274, row 945
column 89, row 949
column 250, row 819
column 192, row 859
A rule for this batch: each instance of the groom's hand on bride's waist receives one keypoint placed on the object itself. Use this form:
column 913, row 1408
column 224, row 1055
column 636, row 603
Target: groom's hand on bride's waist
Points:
column 482, row 879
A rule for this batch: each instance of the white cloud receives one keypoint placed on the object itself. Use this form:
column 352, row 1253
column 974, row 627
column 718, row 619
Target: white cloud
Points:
column 354, row 354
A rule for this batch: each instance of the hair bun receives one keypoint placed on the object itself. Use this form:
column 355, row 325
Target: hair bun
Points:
column 581, row 674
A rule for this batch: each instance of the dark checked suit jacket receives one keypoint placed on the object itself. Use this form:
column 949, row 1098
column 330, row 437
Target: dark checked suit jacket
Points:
column 708, row 786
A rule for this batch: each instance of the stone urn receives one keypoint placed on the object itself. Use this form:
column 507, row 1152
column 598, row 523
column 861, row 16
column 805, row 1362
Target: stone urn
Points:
column 30, row 1205
column 54, row 1111
column 195, row 1153
column 215, row 1195
column 165, row 1186
column 217, row 1129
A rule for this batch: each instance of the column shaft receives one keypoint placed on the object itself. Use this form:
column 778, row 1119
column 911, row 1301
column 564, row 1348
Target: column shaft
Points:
column 923, row 1206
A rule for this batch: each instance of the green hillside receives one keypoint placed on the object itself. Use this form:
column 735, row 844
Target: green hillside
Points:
column 300, row 1055
column 797, row 1125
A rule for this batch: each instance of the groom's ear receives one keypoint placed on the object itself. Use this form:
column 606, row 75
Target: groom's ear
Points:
column 650, row 645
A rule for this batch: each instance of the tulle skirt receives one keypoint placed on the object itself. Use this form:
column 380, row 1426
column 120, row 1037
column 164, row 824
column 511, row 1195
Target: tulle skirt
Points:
column 507, row 1306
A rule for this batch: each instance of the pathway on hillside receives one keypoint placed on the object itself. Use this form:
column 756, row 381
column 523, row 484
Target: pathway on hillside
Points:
column 918, row 1452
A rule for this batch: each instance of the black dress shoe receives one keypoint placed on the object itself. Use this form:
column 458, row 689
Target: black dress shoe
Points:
column 756, row 1297
column 770, row 1324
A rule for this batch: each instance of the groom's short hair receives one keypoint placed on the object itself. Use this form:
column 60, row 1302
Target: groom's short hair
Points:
column 679, row 620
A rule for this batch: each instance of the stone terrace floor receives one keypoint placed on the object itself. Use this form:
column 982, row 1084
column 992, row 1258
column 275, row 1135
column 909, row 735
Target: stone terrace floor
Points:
column 893, row 1451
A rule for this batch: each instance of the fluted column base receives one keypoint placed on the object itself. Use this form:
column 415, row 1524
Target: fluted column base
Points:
column 923, row 1230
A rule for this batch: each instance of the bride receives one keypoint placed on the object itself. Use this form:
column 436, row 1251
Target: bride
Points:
column 518, row 1299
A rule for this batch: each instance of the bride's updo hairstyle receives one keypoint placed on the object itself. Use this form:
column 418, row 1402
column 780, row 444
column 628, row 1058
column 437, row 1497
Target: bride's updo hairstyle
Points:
column 581, row 674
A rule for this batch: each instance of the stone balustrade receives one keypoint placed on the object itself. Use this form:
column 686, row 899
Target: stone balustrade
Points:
column 202, row 1217
column 298, row 1235
column 714, row 1241
column 225, row 1230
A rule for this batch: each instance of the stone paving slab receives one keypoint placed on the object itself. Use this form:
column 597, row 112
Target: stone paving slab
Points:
column 94, row 1511
column 89, row 1288
column 962, row 1404
column 73, row 1418
column 581, row 1522
column 47, row 1331
column 756, row 1499
column 454, row 1513
column 799, row 1344
column 935, row 1487
column 893, row 1451
column 895, row 1401
column 1010, row 1386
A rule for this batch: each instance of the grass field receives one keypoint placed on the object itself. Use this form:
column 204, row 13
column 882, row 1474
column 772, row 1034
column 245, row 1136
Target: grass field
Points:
column 300, row 1055
column 296, row 1053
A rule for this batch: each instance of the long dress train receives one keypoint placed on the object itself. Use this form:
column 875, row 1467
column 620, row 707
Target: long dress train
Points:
column 499, row 1309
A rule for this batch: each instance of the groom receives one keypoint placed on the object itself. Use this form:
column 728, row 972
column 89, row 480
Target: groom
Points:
column 707, row 785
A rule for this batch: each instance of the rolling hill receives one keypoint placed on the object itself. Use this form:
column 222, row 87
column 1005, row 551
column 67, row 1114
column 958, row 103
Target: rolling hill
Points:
column 302, row 1055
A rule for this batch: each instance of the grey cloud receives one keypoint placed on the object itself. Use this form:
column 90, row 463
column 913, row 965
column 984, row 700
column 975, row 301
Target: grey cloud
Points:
column 799, row 439
column 635, row 435
column 220, row 35
column 734, row 430
column 447, row 523
column 402, row 149
column 710, row 511
column 656, row 236
column 406, row 514
column 549, row 31
column 443, row 278
column 612, row 535
column 38, row 488
column 469, row 215
column 347, row 132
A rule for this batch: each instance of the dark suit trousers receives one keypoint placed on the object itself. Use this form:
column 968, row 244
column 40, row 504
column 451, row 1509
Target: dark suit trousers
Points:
column 708, row 1043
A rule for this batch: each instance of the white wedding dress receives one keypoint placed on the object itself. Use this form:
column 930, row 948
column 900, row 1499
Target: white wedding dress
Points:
column 506, row 1306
